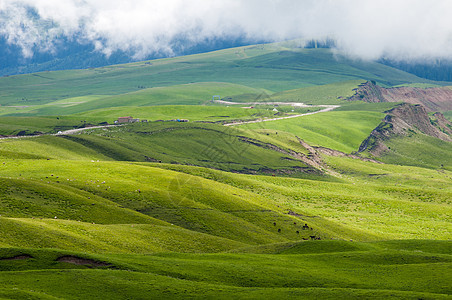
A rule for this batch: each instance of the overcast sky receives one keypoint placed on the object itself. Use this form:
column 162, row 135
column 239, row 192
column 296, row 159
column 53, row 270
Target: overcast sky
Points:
column 371, row 29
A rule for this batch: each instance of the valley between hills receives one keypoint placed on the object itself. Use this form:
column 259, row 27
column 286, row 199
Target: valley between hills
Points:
column 295, row 173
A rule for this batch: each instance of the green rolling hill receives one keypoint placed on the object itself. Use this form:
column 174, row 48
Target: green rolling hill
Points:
column 284, row 208
column 270, row 68
column 374, row 270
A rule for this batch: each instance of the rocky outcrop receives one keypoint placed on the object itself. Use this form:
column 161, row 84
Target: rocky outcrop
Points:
column 434, row 99
column 415, row 117
column 403, row 120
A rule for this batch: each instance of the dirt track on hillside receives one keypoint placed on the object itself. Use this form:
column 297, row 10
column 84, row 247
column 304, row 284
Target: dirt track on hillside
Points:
column 330, row 108
column 66, row 132
column 73, row 131
column 326, row 109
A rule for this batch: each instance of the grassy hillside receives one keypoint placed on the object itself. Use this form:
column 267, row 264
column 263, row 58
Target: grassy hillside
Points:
column 362, row 271
column 266, row 67
column 208, row 145
column 380, row 209
column 252, row 73
column 128, row 224
column 322, row 94
column 387, row 207
column 193, row 93
column 185, row 94
column 374, row 201
column 37, row 125
column 111, row 238
column 27, row 124
column 191, row 202
column 419, row 150
column 200, row 210
column 448, row 115
column 192, row 112
column 409, row 136
column 47, row 147
column 341, row 130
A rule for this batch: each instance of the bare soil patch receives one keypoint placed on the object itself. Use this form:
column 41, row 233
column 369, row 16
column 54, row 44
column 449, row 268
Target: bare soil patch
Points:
column 433, row 99
column 82, row 261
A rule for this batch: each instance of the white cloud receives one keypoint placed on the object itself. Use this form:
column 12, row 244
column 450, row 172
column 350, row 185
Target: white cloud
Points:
column 366, row 29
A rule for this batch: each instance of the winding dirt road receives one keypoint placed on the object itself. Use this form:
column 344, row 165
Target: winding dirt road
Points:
column 66, row 132
column 74, row 131
column 326, row 109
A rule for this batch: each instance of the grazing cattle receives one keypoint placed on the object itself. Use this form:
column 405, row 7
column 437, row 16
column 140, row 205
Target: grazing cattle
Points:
column 295, row 223
column 279, row 229
column 305, row 226
column 312, row 237
column 274, row 223
column 298, row 232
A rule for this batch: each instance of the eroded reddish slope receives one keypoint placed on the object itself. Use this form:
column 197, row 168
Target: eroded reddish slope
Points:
column 434, row 99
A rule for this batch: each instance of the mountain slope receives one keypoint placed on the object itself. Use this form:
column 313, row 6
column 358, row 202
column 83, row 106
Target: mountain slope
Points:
column 407, row 135
column 269, row 67
column 165, row 209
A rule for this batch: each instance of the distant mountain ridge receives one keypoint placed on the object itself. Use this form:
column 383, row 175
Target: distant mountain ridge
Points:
column 273, row 67
column 69, row 55
column 73, row 54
